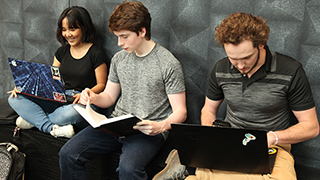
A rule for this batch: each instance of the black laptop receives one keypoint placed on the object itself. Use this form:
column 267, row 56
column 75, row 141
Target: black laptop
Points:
column 38, row 80
column 227, row 149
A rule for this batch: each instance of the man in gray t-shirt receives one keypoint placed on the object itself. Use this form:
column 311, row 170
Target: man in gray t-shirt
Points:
column 145, row 80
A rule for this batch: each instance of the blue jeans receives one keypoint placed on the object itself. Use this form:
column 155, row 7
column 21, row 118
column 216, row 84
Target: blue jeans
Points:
column 44, row 114
column 137, row 151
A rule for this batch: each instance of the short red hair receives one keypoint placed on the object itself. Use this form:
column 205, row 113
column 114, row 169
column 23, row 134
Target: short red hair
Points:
column 132, row 16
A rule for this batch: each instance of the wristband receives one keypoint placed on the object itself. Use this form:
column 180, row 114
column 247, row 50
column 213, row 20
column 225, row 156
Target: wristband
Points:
column 277, row 139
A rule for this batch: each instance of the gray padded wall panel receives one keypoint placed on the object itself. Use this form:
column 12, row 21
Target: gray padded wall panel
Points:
column 27, row 31
column 185, row 27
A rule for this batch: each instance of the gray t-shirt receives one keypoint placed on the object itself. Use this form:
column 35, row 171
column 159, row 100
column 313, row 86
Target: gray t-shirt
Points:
column 146, row 82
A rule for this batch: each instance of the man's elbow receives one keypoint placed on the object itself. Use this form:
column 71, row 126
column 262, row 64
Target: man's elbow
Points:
column 313, row 130
column 183, row 115
column 316, row 131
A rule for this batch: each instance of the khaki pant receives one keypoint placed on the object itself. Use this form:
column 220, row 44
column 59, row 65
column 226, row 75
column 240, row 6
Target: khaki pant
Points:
column 283, row 170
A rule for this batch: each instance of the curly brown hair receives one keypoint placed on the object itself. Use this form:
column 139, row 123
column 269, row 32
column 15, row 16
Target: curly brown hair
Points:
column 132, row 16
column 241, row 26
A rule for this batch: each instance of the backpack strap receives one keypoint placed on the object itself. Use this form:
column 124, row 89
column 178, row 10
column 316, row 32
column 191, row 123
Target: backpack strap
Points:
column 10, row 146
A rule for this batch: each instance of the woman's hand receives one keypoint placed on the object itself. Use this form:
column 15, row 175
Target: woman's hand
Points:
column 151, row 128
column 76, row 98
column 13, row 92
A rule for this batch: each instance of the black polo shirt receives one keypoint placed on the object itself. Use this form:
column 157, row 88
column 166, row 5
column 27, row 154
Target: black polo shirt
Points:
column 266, row 100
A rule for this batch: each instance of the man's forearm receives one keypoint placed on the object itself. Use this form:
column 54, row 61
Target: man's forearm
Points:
column 297, row 133
column 207, row 118
column 177, row 116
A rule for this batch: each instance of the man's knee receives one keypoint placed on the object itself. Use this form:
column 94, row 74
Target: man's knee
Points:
column 67, row 154
column 127, row 170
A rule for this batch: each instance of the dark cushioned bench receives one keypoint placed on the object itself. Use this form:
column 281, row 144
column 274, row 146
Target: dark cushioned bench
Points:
column 42, row 161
